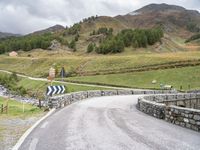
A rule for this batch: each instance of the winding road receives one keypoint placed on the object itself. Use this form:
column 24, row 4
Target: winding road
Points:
column 108, row 123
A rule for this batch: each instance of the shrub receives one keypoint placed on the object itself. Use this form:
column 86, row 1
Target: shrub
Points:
column 91, row 47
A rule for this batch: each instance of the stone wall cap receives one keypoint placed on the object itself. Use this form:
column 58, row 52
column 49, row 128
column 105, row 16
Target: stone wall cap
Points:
column 152, row 102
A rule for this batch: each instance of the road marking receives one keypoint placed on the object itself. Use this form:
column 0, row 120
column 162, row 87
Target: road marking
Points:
column 44, row 125
column 33, row 144
column 27, row 133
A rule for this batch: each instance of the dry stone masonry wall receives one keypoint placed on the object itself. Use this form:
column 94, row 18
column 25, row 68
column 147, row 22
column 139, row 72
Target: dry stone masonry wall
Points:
column 179, row 109
column 66, row 99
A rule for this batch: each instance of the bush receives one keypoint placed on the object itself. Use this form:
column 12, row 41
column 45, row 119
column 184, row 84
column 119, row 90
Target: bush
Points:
column 72, row 45
column 193, row 27
column 74, row 29
column 91, row 47
column 194, row 37
column 111, row 45
column 10, row 82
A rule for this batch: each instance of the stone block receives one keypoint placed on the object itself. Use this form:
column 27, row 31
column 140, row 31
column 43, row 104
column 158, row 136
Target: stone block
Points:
column 192, row 121
column 94, row 94
column 188, row 125
column 109, row 93
column 125, row 92
column 79, row 96
column 196, row 117
column 186, row 120
column 148, row 92
column 138, row 92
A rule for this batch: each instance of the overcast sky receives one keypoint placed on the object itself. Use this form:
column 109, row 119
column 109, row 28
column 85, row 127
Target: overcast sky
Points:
column 25, row 16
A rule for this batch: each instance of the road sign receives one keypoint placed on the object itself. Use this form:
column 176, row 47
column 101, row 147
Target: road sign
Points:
column 52, row 90
column 62, row 73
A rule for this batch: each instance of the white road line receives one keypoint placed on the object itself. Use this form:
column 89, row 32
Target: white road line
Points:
column 44, row 125
column 33, row 144
column 26, row 134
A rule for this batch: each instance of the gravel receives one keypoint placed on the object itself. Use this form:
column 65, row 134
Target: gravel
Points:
column 6, row 93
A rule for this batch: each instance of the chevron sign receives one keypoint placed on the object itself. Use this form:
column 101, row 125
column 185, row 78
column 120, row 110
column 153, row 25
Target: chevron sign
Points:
column 52, row 90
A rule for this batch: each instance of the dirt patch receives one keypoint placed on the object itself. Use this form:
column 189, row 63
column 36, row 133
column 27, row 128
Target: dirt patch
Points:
column 11, row 129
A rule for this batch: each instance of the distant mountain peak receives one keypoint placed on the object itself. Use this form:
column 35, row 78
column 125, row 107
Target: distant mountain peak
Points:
column 52, row 29
column 6, row 35
column 157, row 8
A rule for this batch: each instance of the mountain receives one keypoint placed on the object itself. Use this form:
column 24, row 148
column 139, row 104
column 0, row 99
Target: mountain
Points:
column 178, row 24
column 5, row 35
column 173, row 18
column 53, row 29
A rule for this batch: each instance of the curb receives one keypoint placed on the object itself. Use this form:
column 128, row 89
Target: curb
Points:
column 26, row 134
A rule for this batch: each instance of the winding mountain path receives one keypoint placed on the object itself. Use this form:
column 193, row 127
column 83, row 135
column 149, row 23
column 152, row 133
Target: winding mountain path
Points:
column 64, row 82
column 108, row 123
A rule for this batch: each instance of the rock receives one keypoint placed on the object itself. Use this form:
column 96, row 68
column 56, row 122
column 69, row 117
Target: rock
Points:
column 192, row 121
column 54, row 45
column 182, row 124
column 188, row 125
column 196, row 117
column 194, row 128
column 186, row 120
column 190, row 115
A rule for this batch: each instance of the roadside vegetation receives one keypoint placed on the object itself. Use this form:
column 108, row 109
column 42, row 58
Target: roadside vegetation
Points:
column 35, row 88
column 11, row 83
column 186, row 78
column 16, row 121
column 15, row 109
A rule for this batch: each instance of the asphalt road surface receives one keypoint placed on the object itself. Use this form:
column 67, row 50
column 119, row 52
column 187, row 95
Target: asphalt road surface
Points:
column 108, row 123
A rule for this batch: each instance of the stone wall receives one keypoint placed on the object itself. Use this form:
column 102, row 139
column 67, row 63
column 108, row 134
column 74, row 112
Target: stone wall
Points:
column 180, row 109
column 66, row 99
column 189, row 118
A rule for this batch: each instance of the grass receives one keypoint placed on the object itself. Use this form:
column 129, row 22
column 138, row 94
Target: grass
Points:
column 14, row 123
column 39, row 66
column 15, row 109
column 175, row 77
column 38, row 88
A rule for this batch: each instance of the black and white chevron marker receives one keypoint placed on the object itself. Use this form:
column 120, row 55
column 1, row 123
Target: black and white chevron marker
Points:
column 58, row 89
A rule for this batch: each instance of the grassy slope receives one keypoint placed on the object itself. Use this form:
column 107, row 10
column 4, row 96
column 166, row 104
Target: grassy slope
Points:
column 16, row 109
column 176, row 77
column 38, row 88
column 39, row 66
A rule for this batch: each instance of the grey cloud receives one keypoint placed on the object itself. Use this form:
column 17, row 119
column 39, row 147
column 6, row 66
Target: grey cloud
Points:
column 25, row 16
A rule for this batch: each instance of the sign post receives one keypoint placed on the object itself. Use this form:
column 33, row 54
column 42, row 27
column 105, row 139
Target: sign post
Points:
column 62, row 73
column 52, row 74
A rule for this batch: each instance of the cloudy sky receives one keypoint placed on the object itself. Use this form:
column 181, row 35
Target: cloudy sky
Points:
column 25, row 16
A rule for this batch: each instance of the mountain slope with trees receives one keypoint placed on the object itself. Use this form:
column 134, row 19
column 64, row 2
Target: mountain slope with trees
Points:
column 143, row 28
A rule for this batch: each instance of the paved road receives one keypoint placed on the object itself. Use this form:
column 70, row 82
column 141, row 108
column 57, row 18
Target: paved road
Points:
column 108, row 123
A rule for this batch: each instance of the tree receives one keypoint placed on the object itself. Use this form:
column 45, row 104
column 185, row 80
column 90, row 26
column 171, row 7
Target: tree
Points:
column 90, row 47
column 76, row 37
column 72, row 45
